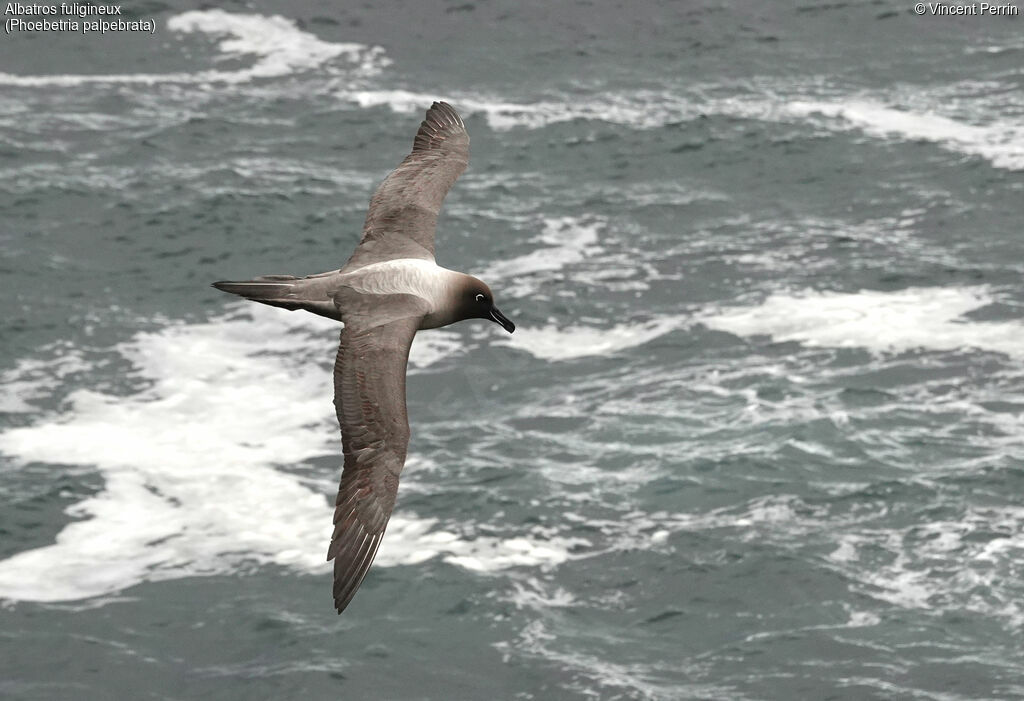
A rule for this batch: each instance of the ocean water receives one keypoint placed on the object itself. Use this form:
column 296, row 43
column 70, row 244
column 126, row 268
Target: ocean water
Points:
column 759, row 433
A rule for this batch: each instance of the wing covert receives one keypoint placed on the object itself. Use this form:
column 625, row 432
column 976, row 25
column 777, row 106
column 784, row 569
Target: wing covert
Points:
column 369, row 396
column 402, row 217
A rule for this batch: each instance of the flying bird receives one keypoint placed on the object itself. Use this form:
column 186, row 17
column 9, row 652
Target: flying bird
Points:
column 389, row 289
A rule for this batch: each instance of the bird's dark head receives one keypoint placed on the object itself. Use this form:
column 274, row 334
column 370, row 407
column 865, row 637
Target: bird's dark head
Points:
column 477, row 302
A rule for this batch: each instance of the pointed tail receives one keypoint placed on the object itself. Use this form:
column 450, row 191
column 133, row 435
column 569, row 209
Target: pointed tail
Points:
column 275, row 290
column 311, row 293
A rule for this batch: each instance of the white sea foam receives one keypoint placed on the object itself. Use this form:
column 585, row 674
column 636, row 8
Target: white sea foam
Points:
column 628, row 675
column 262, row 176
column 992, row 49
column 276, row 44
column 959, row 564
column 1001, row 143
column 927, row 317
column 36, row 378
column 563, row 242
column 192, row 483
column 430, row 348
column 863, row 619
column 189, row 486
column 553, row 342
column 534, row 594
column 641, row 109
column 413, row 540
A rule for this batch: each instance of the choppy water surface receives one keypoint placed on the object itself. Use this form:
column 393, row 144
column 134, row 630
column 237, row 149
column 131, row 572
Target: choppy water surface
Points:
column 759, row 434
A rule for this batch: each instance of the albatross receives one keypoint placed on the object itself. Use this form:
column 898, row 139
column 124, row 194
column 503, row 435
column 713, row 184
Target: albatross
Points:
column 389, row 289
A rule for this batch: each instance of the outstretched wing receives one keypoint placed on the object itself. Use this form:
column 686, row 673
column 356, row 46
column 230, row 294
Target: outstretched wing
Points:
column 369, row 395
column 403, row 212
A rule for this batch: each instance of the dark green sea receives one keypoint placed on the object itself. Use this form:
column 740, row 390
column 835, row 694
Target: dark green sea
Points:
column 759, row 434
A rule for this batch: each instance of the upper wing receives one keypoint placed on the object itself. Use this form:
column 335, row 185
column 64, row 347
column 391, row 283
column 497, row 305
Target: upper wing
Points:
column 403, row 212
column 369, row 395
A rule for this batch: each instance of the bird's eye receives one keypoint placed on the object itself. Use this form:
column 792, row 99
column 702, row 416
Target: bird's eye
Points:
column 480, row 298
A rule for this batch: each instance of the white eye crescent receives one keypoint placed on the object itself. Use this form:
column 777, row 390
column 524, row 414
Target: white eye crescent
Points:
column 480, row 298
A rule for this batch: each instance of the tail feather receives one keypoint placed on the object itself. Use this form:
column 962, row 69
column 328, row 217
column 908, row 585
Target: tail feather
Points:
column 287, row 292
column 275, row 290
column 266, row 287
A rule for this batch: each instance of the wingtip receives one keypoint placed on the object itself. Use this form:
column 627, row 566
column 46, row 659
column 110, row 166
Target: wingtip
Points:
column 441, row 123
column 341, row 605
column 450, row 113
